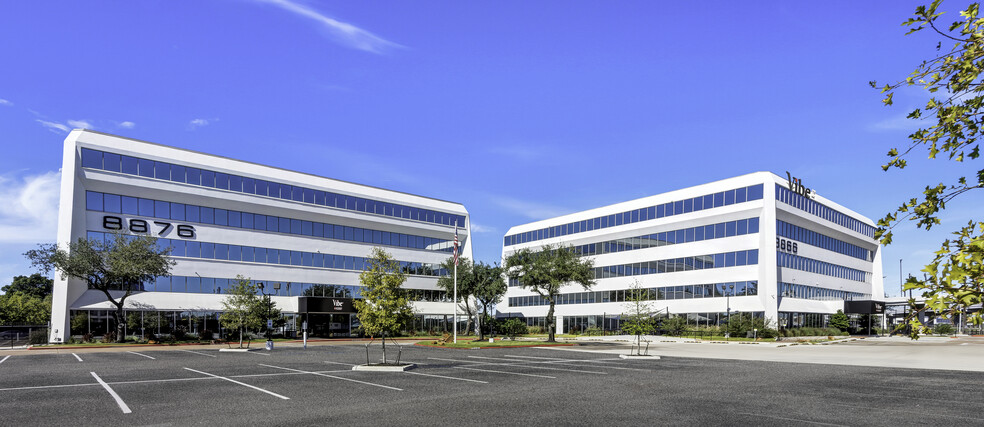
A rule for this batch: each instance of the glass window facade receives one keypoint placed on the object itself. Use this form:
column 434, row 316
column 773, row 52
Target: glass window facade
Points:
column 713, row 290
column 818, row 209
column 797, row 262
column 208, row 250
column 810, row 237
column 685, row 235
column 816, row 293
column 700, row 262
column 104, row 202
column 678, row 207
column 112, row 162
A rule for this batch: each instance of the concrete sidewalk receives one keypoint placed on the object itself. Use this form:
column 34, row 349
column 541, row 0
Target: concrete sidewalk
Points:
column 940, row 353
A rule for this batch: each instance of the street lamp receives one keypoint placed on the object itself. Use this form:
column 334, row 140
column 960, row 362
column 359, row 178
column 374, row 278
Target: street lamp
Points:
column 727, row 295
column 269, row 313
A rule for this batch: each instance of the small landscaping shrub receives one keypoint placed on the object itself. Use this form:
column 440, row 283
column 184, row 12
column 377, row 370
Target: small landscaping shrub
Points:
column 87, row 337
column 109, row 337
column 513, row 327
column 38, row 337
column 180, row 333
column 943, row 329
column 206, row 335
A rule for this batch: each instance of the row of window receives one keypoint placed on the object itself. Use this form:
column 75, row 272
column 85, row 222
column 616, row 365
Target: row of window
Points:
column 810, row 237
column 225, row 252
column 813, row 207
column 105, row 202
column 792, row 290
column 685, row 235
column 700, row 262
column 797, row 262
column 731, row 289
column 724, row 198
column 223, row 181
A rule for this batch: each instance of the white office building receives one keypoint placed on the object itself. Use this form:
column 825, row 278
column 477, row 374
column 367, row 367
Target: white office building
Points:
column 306, row 234
column 756, row 243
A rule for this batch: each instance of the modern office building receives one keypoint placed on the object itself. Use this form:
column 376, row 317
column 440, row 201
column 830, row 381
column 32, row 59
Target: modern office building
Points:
column 757, row 243
column 306, row 234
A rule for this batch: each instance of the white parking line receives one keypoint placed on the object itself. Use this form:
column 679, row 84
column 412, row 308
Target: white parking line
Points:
column 141, row 354
column 339, row 363
column 241, row 383
column 202, row 354
column 574, row 362
column 503, row 372
column 261, row 354
column 450, row 378
column 5, row 358
column 77, row 357
column 166, row 380
column 119, row 401
column 332, row 376
column 527, row 365
column 456, row 360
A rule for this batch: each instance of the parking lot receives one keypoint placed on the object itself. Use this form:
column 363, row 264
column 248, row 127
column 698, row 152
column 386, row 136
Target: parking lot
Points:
column 292, row 385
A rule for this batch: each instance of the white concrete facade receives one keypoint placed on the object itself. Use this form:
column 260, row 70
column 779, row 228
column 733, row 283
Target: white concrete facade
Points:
column 76, row 221
column 769, row 299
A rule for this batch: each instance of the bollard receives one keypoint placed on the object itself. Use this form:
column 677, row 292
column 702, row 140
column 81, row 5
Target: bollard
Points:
column 305, row 339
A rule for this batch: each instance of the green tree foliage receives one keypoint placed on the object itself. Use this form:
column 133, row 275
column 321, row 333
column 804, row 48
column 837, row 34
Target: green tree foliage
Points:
column 385, row 308
column 839, row 320
column 34, row 285
column 951, row 125
column 478, row 282
column 546, row 271
column 117, row 267
column 466, row 287
column 638, row 317
column 490, row 287
column 674, row 325
column 242, row 308
column 24, row 309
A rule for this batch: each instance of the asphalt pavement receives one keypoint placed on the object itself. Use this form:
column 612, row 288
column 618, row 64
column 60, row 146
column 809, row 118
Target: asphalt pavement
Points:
column 509, row 386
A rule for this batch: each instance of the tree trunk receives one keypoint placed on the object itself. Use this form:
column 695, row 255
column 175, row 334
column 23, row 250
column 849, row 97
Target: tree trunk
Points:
column 240, row 337
column 551, row 327
column 120, row 325
column 384, row 348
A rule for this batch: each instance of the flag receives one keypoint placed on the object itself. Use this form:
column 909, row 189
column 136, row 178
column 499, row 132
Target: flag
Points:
column 455, row 245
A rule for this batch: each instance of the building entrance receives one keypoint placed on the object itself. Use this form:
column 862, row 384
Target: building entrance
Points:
column 325, row 325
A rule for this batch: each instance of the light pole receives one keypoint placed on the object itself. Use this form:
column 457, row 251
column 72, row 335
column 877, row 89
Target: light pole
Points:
column 269, row 313
column 727, row 296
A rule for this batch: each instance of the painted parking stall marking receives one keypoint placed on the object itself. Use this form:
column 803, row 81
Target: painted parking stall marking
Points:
column 77, row 357
column 332, row 376
column 116, row 397
column 527, row 365
column 141, row 354
column 240, row 383
column 447, row 377
column 198, row 353
column 504, row 372
column 4, row 359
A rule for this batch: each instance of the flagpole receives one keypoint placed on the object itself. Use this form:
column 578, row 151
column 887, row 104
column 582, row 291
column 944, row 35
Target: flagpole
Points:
column 455, row 300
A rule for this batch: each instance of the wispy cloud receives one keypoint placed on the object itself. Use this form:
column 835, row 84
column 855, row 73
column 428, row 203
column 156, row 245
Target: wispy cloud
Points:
column 29, row 213
column 344, row 33
column 52, row 126
column 478, row 228
column 197, row 123
column 6, row 102
column 80, row 124
column 900, row 122
column 531, row 210
column 126, row 125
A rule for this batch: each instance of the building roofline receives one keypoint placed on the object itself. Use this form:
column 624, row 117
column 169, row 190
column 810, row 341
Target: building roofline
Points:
column 263, row 165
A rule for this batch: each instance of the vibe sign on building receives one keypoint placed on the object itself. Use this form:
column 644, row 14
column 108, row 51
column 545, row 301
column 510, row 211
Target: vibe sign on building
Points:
column 223, row 218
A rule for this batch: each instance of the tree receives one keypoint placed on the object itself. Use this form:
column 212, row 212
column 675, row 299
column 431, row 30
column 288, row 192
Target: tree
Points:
column 489, row 290
column 952, row 80
column 839, row 320
column 385, row 307
column 480, row 282
column 117, row 267
column 23, row 308
column 639, row 319
column 35, row 285
column 466, row 287
column 242, row 308
column 546, row 271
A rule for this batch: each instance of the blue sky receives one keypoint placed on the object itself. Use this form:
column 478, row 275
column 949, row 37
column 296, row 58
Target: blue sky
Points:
column 519, row 110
